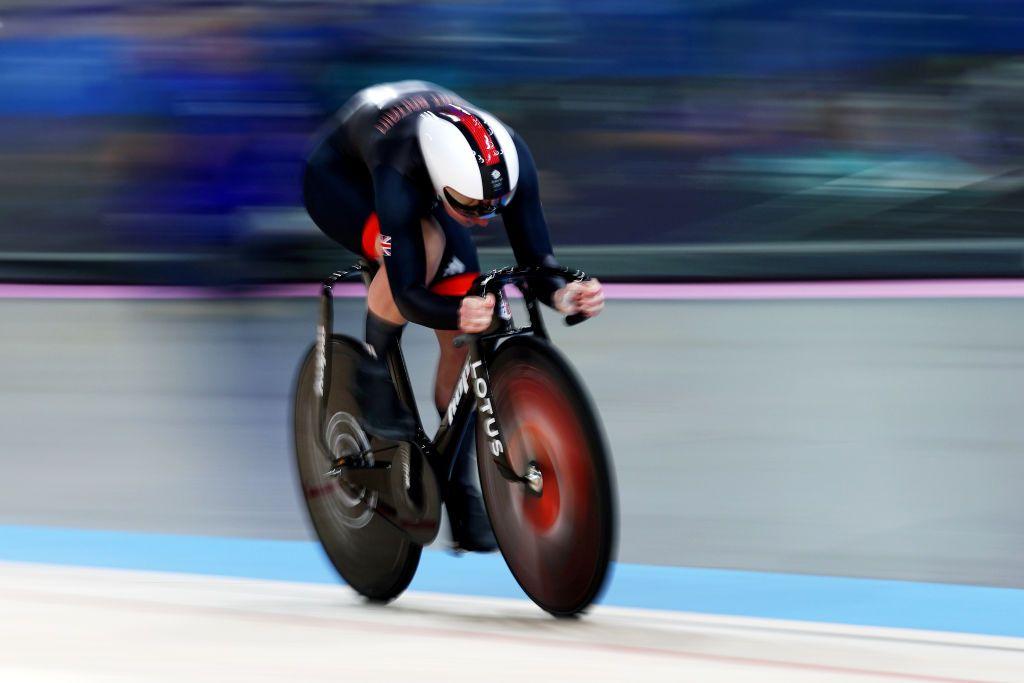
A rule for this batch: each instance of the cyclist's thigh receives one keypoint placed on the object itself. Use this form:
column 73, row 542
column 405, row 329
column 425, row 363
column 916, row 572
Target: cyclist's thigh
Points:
column 338, row 194
column 380, row 301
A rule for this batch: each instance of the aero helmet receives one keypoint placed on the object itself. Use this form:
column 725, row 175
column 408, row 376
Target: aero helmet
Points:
column 471, row 159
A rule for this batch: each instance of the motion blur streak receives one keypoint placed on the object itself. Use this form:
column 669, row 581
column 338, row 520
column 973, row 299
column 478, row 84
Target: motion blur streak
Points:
column 163, row 141
column 872, row 438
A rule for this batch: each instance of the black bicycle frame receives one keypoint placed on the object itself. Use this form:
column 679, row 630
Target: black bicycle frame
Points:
column 473, row 388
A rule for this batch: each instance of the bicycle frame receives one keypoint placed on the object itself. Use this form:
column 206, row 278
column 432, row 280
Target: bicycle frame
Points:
column 473, row 388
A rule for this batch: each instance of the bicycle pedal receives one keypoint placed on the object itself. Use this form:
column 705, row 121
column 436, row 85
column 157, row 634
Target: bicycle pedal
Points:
column 335, row 471
column 341, row 465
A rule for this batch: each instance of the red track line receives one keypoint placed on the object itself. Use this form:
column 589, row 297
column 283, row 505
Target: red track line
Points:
column 308, row 620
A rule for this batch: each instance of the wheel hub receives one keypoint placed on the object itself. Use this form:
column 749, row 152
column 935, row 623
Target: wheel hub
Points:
column 534, row 479
column 350, row 449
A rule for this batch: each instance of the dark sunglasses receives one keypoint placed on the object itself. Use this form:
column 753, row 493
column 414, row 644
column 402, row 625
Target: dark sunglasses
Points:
column 474, row 208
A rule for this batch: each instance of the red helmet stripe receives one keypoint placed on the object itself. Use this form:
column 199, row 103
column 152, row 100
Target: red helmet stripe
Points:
column 486, row 146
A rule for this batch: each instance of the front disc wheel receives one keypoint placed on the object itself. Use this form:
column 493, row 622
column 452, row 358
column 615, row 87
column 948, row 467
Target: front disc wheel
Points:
column 556, row 534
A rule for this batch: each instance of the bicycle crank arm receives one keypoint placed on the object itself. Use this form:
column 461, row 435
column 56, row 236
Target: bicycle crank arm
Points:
column 360, row 461
column 349, row 463
column 402, row 486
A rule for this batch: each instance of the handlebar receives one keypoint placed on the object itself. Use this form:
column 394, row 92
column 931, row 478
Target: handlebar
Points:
column 494, row 281
column 575, row 319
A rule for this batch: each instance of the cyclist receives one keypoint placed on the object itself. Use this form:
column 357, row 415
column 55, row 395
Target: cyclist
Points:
column 398, row 176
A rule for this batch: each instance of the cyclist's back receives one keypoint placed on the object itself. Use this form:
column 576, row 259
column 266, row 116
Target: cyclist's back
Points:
column 378, row 124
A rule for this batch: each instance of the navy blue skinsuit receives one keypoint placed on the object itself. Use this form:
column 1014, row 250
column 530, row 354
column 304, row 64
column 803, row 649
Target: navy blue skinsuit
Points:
column 367, row 175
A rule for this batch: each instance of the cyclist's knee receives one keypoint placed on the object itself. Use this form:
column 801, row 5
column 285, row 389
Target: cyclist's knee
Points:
column 448, row 366
column 449, row 352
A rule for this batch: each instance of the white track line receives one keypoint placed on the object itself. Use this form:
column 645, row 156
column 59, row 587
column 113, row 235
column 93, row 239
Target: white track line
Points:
column 87, row 625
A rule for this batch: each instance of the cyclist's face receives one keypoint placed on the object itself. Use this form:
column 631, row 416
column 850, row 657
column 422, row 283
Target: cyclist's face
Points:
column 464, row 220
column 472, row 211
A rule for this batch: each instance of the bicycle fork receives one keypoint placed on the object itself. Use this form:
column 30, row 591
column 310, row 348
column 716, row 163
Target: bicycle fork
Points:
column 476, row 379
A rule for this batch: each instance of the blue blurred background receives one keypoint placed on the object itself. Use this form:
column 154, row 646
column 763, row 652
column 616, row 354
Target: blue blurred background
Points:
column 870, row 433
column 162, row 141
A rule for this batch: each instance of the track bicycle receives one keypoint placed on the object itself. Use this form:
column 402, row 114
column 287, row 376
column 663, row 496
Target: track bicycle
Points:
column 545, row 472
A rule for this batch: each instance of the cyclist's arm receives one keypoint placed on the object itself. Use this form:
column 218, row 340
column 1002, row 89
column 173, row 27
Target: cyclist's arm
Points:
column 525, row 224
column 398, row 208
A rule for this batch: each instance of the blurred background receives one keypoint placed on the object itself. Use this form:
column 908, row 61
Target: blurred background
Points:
column 162, row 141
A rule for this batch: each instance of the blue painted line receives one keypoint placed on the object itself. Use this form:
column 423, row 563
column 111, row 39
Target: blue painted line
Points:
column 841, row 600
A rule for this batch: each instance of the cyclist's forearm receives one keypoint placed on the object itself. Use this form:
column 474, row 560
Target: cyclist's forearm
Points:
column 526, row 227
column 545, row 287
column 421, row 306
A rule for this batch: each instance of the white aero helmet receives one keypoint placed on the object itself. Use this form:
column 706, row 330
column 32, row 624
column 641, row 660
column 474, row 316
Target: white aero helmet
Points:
column 471, row 159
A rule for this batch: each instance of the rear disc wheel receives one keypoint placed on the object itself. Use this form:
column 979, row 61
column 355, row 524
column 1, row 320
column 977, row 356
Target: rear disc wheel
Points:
column 373, row 557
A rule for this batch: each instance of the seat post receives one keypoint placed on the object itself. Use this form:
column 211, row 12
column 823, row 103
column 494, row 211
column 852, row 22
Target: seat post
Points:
column 324, row 332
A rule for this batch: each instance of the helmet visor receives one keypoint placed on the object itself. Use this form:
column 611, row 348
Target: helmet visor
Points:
column 476, row 208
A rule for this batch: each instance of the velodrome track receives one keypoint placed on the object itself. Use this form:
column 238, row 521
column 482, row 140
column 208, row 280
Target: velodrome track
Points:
column 773, row 442
column 63, row 624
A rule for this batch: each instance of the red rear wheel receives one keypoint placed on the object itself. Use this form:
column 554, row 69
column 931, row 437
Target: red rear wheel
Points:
column 558, row 544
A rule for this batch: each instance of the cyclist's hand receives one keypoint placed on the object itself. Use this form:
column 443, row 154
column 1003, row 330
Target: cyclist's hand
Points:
column 580, row 297
column 476, row 313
